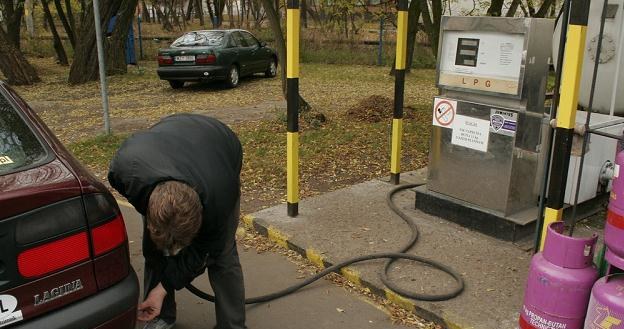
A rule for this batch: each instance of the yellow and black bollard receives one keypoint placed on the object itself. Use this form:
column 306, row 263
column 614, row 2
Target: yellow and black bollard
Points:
column 566, row 114
column 399, row 88
column 292, row 100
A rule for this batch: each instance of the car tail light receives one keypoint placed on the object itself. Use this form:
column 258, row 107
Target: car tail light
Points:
column 53, row 256
column 51, row 238
column 165, row 60
column 108, row 238
column 205, row 59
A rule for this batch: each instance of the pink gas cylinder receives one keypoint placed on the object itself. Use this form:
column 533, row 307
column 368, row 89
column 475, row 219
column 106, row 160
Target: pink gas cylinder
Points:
column 559, row 282
column 606, row 307
column 614, row 228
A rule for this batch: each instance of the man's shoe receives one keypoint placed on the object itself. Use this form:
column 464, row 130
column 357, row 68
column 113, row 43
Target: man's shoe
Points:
column 158, row 323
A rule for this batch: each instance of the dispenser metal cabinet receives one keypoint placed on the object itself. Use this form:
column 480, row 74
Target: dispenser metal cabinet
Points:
column 488, row 120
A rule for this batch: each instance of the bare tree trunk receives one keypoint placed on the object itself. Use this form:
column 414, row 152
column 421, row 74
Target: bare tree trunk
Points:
column 496, row 8
column 546, row 5
column 12, row 16
column 29, row 7
column 172, row 15
column 513, row 8
column 66, row 25
column 280, row 44
column 200, row 12
column 70, row 15
column 145, row 13
column 523, row 8
column 189, row 10
column 257, row 13
column 436, row 10
column 164, row 18
column 213, row 18
column 427, row 22
column 61, row 56
column 230, row 11
column 304, row 13
column 116, row 43
column 85, row 65
column 240, row 9
column 179, row 13
column 83, row 11
column 14, row 65
column 531, row 8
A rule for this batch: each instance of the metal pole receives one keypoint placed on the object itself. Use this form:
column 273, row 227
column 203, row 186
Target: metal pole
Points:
column 380, row 51
column 292, row 106
column 566, row 115
column 588, row 118
column 399, row 91
column 564, row 17
column 618, row 68
column 101, row 64
column 140, row 37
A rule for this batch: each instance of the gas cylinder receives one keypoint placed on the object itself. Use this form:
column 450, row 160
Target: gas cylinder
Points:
column 606, row 307
column 559, row 282
column 614, row 227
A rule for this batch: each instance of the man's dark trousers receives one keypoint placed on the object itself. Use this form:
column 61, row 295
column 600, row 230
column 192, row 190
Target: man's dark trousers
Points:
column 224, row 272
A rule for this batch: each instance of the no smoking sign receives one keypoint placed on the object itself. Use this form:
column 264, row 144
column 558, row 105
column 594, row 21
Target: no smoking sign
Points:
column 444, row 112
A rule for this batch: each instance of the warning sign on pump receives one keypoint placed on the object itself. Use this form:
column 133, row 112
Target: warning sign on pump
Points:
column 444, row 111
column 471, row 133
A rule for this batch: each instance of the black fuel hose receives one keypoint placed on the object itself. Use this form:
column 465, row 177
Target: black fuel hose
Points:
column 391, row 256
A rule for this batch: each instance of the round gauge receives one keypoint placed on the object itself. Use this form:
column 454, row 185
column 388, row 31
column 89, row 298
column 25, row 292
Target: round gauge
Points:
column 606, row 53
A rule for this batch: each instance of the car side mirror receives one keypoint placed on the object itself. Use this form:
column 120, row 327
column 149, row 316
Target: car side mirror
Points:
column 263, row 44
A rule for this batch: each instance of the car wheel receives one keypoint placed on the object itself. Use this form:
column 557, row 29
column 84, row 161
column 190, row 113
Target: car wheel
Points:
column 232, row 77
column 175, row 84
column 272, row 69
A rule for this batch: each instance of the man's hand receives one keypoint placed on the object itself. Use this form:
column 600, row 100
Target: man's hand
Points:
column 150, row 308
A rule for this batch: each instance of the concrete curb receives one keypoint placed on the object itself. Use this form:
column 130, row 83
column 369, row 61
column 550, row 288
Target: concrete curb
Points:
column 348, row 273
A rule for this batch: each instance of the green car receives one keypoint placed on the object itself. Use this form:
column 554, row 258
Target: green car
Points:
column 209, row 55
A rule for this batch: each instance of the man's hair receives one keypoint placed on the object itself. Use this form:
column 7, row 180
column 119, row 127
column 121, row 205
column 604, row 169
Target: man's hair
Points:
column 174, row 215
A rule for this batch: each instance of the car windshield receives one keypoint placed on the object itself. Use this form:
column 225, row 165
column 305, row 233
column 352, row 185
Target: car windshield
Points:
column 200, row 39
column 19, row 148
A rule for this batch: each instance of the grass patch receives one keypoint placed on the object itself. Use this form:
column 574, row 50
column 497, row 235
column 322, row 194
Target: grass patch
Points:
column 347, row 53
column 96, row 153
column 340, row 153
column 139, row 99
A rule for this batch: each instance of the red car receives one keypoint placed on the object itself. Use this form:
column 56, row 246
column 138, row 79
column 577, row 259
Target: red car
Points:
column 64, row 260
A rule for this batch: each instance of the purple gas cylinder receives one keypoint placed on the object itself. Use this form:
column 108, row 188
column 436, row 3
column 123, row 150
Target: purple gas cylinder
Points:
column 559, row 282
column 614, row 228
column 606, row 307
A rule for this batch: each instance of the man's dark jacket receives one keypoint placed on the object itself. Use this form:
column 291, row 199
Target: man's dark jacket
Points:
column 199, row 151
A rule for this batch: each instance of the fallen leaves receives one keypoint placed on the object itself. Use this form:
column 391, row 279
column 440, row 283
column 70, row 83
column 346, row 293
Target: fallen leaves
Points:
column 306, row 268
column 339, row 153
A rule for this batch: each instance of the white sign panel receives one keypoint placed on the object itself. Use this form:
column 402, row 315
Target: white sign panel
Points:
column 8, row 310
column 488, row 61
column 444, row 112
column 471, row 133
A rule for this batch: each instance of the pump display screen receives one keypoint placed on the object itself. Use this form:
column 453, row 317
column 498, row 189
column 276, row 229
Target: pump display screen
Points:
column 484, row 61
column 467, row 52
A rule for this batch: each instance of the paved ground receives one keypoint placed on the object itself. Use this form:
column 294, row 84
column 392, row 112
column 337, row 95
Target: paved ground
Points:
column 316, row 307
column 356, row 220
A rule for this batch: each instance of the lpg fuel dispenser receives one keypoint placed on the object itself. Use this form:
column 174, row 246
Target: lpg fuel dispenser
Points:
column 488, row 124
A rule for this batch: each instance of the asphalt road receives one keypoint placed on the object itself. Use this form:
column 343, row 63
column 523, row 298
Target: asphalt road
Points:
column 321, row 305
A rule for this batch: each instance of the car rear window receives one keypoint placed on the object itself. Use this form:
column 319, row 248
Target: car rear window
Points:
column 200, row 39
column 19, row 147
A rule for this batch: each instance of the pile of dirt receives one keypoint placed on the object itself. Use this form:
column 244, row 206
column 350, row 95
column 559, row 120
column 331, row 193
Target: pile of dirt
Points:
column 375, row 109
